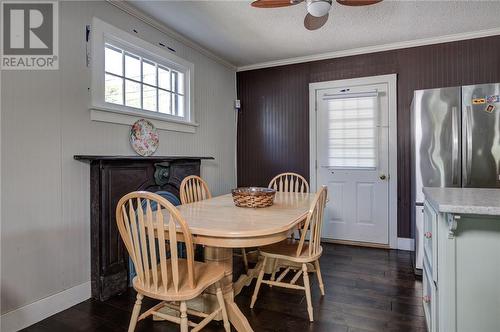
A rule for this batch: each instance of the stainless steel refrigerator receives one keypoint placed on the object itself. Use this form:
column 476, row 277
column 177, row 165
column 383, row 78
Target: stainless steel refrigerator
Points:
column 456, row 134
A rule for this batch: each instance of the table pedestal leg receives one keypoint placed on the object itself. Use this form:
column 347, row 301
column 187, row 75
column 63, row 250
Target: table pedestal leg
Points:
column 224, row 257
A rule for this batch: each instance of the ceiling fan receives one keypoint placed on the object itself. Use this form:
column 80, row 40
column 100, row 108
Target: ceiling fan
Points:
column 317, row 10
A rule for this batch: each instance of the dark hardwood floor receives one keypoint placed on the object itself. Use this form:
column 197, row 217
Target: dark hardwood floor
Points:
column 366, row 290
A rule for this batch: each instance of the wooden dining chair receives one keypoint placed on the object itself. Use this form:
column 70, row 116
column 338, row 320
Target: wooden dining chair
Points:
column 151, row 227
column 193, row 189
column 292, row 183
column 303, row 251
column 289, row 182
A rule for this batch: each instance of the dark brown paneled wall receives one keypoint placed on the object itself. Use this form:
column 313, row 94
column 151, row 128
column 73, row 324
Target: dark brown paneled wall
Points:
column 273, row 127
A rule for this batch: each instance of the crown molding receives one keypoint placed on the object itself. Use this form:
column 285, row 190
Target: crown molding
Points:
column 131, row 10
column 373, row 49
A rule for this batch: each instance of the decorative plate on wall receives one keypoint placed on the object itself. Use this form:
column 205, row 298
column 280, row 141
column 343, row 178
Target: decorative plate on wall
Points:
column 144, row 137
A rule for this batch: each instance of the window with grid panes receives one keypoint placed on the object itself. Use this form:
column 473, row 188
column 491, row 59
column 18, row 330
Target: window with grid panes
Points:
column 137, row 82
column 136, row 78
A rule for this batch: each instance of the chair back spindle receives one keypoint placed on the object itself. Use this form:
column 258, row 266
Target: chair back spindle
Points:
column 289, row 182
column 313, row 224
column 142, row 219
column 193, row 189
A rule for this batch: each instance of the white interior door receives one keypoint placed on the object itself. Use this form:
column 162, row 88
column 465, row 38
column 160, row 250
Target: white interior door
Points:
column 352, row 127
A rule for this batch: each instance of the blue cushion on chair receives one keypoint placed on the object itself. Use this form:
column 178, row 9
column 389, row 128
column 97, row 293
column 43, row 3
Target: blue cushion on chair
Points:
column 165, row 194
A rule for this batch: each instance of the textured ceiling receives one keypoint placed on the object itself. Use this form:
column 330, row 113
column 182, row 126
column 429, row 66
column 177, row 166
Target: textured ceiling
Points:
column 244, row 35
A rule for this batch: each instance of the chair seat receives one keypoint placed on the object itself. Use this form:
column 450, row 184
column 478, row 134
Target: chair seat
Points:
column 206, row 274
column 287, row 249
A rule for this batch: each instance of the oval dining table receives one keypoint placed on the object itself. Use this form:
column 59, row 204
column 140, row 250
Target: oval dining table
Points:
column 220, row 226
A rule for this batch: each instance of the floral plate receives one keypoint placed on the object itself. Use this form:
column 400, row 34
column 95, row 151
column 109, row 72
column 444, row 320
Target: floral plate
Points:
column 144, row 137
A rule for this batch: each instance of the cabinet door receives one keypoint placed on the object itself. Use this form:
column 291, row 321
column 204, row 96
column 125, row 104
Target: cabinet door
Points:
column 419, row 237
column 430, row 239
column 429, row 300
column 427, row 297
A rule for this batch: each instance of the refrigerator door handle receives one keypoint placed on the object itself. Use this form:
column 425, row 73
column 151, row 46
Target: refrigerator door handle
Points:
column 468, row 144
column 454, row 153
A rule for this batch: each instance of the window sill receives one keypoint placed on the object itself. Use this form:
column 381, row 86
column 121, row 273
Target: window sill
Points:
column 160, row 122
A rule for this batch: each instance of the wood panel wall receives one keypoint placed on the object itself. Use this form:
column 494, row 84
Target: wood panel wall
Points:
column 273, row 124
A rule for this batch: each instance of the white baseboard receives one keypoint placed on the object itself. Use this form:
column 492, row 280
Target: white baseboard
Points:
column 30, row 314
column 406, row 244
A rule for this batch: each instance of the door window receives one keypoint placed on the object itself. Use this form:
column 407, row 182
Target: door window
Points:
column 352, row 132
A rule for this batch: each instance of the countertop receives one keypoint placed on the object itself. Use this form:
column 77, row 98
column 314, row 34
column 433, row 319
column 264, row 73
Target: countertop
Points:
column 464, row 200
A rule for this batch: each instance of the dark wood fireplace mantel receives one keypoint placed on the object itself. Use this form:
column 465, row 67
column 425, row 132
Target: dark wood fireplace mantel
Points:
column 111, row 177
column 129, row 158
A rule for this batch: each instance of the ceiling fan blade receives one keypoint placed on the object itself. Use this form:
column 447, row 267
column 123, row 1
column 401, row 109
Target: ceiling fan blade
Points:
column 358, row 2
column 274, row 3
column 313, row 22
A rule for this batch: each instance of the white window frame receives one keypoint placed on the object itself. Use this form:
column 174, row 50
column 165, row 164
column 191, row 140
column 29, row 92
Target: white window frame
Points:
column 101, row 110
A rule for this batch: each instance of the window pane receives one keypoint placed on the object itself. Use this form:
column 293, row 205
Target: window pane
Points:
column 148, row 72
column 164, row 100
column 175, row 80
column 113, row 61
column 175, row 111
column 179, row 105
column 180, row 83
column 164, row 78
column 132, row 67
column 352, row 131
column 132, row 94
column 149, row 98
column 113, row 89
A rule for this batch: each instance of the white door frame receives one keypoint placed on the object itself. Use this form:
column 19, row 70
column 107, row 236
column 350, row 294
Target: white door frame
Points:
column 390, row 80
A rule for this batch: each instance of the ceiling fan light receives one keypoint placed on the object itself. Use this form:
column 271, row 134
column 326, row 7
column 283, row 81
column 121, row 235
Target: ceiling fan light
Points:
column 318, row 8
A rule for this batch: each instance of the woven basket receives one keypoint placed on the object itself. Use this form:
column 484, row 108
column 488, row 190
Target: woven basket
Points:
column 253, row 197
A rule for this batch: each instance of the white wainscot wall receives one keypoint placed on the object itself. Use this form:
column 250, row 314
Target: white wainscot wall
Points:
column 45, row 120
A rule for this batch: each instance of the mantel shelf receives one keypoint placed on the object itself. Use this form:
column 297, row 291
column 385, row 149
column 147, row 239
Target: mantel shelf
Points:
column 91, row 158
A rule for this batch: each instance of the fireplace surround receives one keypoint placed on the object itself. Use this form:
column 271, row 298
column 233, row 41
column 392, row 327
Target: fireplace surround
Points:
column 111, row 177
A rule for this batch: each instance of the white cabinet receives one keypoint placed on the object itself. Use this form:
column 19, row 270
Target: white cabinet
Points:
column 429, row 300
column 419, row 237
column 430, row 239
column 461, row 277
column 429, row 275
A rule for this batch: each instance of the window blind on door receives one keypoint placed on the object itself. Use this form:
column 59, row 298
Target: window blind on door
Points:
column 352, row 131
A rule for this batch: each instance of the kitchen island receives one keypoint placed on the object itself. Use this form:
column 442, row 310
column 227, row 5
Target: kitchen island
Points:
column 461, row 277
